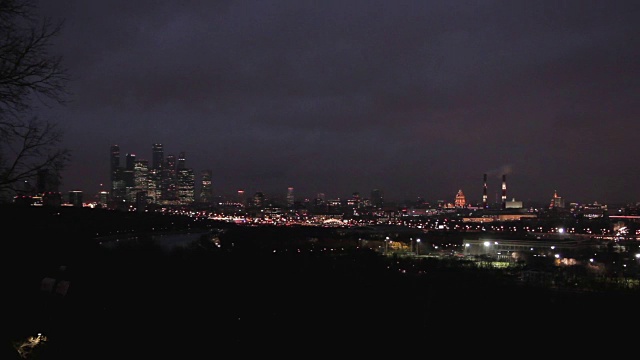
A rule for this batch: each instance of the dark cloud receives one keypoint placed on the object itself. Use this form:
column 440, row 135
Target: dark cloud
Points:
column 418, row 98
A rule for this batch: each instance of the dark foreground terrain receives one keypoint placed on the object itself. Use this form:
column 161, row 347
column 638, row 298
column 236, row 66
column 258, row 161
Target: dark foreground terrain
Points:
column 260, row 293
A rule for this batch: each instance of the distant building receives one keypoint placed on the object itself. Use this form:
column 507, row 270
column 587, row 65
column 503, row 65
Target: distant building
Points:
column 75, row 198
column 461, row 200
column 206, row 189
column 103, row 198
column 157, row 161
column 290, row 197
column 115, row 170
column 242, row 198
column 186, row 186
column 556, row 201
column 513, row 204
column 377, row 198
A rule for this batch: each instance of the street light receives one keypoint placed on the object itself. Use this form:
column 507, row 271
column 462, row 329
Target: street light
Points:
column 417, row 246
column 386, row 245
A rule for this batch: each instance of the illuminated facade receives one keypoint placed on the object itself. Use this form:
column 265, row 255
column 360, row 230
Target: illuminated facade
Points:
column 290, row 198
column 206, row 190
column 186, row 180
column 556, row 201
column 460, row 201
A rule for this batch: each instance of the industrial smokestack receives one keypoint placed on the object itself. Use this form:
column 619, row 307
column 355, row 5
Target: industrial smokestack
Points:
column 484, row 193
column 504, row 191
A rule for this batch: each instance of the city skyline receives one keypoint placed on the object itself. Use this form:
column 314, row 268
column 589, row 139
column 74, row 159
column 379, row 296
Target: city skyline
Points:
column 419, row 98
column 158, row 157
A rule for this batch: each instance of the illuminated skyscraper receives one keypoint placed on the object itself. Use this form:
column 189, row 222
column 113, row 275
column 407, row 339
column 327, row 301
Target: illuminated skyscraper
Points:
column 182, row 161
column 185, row 180
column 155, row 173
column 141, row 177
column 206, row 189
column 115, row 162
column 290, row 198
column 169, row 187
column 241, row 198
column 117, row 173
column 158, row 156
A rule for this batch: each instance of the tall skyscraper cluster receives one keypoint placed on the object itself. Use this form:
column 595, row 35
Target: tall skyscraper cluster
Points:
column 168, row 181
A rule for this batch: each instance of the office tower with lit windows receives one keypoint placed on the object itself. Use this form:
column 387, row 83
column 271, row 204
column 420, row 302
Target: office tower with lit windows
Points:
column 155, row 173
column 185, row 180
column 141, row 180
column 130, row 163
column 115, row 162
column 169, row 186
column 290, row 197
column 354, row 201
column 118, row 186
column 206, row 188
column 242, row 198
column 157, row 160
column 182, row 161
column 128, row 175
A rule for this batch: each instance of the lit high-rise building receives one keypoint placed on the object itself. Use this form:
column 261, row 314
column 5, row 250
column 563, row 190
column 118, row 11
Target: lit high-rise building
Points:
column 186, row 180
column 290, row 198
column 241, row 198
column 206, row 188
column 129, row 176
column 169, row 187
column 118, row 185
column 115, row 162
column 155, row 173
column 158, row 156
column 141, row 179
column 182, row 161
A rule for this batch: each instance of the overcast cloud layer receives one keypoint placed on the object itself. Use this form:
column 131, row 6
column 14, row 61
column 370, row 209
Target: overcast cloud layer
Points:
column 416, row 98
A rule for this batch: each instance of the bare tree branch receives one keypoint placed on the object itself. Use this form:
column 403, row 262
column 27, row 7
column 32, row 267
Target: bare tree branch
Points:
column 28, row 70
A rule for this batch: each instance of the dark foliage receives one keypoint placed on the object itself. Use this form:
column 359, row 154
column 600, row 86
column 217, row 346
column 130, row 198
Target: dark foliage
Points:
column 139, row 300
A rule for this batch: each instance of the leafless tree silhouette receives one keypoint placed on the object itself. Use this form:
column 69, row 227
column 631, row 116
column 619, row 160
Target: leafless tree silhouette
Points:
column 28, row 73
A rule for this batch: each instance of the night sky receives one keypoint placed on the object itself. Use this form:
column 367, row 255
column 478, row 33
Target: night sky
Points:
column 415, row 98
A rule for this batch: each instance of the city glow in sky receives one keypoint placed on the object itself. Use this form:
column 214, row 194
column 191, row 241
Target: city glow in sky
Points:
column 416, row 98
